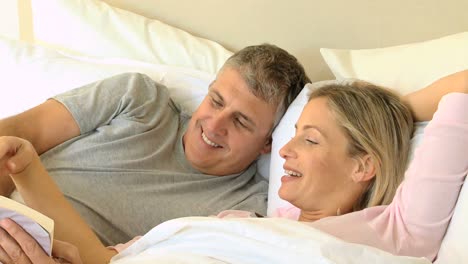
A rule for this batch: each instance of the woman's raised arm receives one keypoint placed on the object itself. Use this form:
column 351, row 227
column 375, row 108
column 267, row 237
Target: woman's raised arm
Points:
column 423, row 103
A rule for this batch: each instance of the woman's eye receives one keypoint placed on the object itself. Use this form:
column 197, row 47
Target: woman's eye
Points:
column 311, row 142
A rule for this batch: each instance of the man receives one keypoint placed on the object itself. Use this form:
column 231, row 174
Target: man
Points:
column 128, row 159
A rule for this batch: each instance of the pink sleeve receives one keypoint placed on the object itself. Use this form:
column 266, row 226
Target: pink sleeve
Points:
column 423, row 205
column 290, row 212
column 121, row 247
column 415, row 222
column 235, row 214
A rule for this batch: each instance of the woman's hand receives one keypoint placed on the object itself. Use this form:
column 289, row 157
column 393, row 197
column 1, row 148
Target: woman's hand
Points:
column 17, row 246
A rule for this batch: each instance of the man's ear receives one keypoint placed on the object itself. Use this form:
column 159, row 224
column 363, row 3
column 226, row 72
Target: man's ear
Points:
column 365, row 170
column 267, row 147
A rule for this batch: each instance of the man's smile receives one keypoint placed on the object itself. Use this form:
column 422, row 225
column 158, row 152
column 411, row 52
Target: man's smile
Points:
column 208, row 141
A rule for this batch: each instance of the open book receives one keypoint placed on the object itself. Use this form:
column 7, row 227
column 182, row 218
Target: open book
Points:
column 36, row 224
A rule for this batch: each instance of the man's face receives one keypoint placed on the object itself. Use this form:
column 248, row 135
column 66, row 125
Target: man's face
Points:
column 230, row 128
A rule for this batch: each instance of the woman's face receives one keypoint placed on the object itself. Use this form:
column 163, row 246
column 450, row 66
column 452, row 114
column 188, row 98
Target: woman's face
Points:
column 318, row 169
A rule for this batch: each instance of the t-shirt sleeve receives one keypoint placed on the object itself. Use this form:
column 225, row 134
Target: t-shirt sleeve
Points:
column 129, row 96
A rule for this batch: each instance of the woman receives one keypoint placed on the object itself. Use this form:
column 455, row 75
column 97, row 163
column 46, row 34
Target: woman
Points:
column 355, row 163
column 360, row 173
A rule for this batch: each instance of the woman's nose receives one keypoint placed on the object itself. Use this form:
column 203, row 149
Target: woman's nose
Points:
column 287, row 150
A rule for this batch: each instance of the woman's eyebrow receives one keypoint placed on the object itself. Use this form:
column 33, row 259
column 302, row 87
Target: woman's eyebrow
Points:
column 306, row 127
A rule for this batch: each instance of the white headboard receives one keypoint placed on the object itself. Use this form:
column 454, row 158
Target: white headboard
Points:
column 304, row 26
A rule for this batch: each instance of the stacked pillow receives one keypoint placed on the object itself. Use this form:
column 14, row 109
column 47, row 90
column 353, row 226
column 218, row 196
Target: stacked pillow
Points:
column 405, row 68
column 31, row 74
column 94, row 28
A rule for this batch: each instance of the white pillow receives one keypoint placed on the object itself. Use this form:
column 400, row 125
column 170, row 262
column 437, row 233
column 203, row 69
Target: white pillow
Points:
column 405, row 68
column 94, row 28
column 31, row 74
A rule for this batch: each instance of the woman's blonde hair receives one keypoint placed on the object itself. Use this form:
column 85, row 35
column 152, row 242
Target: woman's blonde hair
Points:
column 378, row 123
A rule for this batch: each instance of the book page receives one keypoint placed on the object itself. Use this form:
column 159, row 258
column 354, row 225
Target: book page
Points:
column 33, row 228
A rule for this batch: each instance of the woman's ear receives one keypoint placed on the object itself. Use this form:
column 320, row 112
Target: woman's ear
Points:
column 365, row 169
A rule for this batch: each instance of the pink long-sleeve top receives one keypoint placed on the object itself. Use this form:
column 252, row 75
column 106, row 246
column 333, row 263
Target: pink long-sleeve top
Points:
column 415, row 223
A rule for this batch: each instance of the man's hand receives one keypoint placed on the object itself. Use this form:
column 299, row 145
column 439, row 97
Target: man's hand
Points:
column 19, row 159
column 17, row 246
column 16, row 155
column 6, row 185
column 10, row 146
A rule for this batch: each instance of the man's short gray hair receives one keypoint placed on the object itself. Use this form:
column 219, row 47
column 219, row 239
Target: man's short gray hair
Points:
column 272, row 74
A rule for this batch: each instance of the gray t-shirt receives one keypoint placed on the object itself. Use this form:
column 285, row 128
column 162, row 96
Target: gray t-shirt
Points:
column 127, row 171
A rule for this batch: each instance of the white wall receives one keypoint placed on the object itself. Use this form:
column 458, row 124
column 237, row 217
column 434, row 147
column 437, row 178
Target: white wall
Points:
column 9, row 26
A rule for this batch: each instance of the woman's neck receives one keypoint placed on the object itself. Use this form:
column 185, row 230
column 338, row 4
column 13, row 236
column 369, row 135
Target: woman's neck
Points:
column 311, row 216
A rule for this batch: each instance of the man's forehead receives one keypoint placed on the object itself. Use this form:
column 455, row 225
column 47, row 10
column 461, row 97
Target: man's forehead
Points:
column 223, row 96
column 248, row 113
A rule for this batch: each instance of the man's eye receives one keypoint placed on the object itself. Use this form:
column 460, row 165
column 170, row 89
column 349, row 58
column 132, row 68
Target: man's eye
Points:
column 216, row 103
column 238, row 121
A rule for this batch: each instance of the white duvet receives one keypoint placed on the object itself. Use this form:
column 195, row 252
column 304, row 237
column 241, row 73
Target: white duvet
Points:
column 248, row 240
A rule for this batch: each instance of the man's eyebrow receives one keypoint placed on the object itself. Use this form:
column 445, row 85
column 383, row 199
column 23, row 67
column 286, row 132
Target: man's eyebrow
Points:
column 220, row 97
column 306, row 127
column 247, row 119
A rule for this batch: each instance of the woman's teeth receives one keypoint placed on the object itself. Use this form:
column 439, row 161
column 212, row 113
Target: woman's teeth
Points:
column 293, row 173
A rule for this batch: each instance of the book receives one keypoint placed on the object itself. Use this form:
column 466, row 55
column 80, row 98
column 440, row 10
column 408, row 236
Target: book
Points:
column 39, row 226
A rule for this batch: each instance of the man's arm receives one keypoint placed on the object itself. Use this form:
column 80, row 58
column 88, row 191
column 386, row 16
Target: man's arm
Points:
column 423, row 103
column 45, row 126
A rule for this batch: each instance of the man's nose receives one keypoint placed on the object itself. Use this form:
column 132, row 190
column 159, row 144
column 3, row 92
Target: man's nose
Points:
column 219, row 123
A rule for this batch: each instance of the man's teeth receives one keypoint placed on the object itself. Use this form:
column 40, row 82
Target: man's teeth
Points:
column 293, row 173
column 209, row 142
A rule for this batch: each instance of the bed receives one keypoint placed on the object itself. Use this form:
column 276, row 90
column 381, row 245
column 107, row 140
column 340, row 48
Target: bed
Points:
column 399, row 44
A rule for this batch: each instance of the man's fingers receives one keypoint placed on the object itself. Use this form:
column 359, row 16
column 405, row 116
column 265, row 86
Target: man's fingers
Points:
column 25, row 249
column 13, row 155
column 5, row 155
column 4, row 258
column 66, row 251
column 20, row 161
column 12, row 250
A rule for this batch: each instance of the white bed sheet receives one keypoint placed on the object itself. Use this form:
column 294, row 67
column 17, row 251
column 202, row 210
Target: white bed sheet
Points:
column 248, row 240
